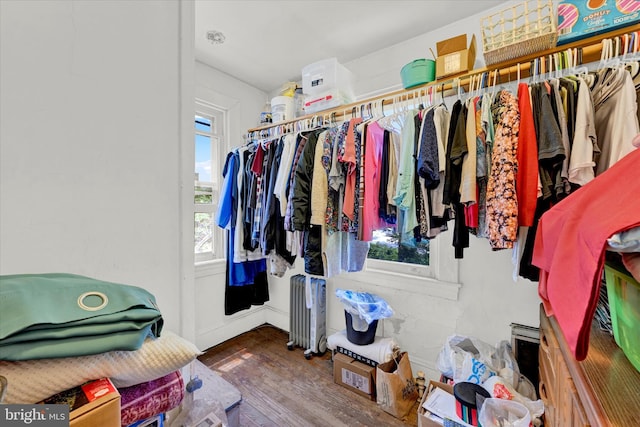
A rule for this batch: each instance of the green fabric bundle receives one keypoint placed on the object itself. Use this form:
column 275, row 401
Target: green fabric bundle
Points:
column 66, row 315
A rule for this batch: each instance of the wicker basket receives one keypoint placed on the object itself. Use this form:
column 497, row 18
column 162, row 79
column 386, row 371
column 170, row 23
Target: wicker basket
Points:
column 520, row 30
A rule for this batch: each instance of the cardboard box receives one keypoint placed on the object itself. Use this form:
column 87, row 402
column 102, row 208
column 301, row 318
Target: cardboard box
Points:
column 454, row 57
column 354, row 375
column 578, row 19
column 94, row 404
column 423, row 419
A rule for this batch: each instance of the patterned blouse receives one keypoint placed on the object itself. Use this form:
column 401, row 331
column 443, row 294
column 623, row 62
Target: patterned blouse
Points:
column 502, row 205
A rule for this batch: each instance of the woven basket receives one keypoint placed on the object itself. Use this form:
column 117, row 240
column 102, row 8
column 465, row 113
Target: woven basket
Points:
column 520, row 30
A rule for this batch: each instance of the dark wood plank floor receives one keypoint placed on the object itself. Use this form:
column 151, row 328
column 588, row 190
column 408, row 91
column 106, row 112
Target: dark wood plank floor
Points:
column 281, row 388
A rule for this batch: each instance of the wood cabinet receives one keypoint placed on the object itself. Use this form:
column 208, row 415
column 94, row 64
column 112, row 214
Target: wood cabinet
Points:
column 602, row 390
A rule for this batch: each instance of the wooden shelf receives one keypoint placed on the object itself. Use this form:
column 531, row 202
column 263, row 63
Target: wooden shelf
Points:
column 606, row 382
column 591, row 49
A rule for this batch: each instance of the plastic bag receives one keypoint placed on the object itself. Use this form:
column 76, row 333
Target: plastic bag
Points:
column 503, row 413
column 502, row 389
column 466, row 359
column 367, row 306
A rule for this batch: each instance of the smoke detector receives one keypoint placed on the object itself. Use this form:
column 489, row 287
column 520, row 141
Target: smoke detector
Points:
column 215, row 37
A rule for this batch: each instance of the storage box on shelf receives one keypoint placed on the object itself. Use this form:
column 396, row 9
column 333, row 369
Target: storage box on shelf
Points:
column 326, row 84
column 454, row 57
column 325, row 75
column 578, row 19
column 520, row 30
column 324, row 101
column 624, row 303
column 418, row 72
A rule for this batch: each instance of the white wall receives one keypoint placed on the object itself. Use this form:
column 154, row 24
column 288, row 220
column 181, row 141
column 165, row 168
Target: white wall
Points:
column 379, row 72
column 90, row 143
column 243, row 104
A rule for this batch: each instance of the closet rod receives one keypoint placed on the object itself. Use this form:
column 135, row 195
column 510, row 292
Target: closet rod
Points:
column 591, row 50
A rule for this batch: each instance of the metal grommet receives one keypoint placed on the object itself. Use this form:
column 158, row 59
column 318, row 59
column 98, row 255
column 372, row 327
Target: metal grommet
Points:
column 100, row 295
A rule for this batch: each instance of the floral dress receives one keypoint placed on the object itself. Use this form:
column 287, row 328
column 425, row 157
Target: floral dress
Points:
column 502, row 205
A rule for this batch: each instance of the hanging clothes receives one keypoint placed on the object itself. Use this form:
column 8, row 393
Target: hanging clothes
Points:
column 502, row 203
column 614, row 101
column 245, row 282
column 456, row 149
column 405, row 189
column 585, row 143
column 527, row 158
column 371, row 181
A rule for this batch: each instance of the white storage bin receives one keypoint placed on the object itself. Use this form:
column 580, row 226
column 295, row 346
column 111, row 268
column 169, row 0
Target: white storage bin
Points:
column 324, row 101
column 323, row 76
column 282, row 108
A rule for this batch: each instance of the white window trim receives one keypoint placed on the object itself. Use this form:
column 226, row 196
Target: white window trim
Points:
column 205, row 108
column 440, row 278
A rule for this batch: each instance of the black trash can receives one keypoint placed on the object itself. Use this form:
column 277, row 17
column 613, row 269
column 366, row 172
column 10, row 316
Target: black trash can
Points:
column 360, row 337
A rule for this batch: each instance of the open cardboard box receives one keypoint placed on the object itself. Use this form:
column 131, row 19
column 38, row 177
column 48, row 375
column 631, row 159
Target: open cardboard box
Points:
column 454, row 57
column 96, row 403
column 423, row 414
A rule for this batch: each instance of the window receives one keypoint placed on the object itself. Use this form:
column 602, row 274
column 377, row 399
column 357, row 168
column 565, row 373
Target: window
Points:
column 397, row 252
column 209, row 133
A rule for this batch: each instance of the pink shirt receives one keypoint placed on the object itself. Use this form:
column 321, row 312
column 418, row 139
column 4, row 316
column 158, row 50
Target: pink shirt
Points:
column 570, row 245
column 372, row 159
column 349, row 157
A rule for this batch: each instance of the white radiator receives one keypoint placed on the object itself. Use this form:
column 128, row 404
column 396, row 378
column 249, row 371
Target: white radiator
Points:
column 308, row 326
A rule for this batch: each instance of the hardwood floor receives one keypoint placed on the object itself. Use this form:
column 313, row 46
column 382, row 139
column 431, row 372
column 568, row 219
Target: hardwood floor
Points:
column 281, row 388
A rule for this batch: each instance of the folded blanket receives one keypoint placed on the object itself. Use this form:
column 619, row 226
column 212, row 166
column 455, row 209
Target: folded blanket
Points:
column 380, row 351
column 31, row 381
column 150, row 398
column 65, row 315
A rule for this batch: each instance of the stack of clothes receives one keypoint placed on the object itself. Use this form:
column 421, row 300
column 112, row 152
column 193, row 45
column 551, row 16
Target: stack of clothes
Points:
column 60, row 331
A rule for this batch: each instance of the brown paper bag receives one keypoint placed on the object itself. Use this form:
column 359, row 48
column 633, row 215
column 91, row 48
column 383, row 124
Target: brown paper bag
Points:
column 395, row 386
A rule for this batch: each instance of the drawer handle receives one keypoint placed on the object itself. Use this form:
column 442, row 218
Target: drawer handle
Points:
column 543, row 393
column 544, row 343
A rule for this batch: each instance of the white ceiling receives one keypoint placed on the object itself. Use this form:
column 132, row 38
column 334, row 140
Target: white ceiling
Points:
column 268, row 42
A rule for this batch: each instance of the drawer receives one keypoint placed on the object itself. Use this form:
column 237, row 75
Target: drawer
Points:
column 547, row 387
column 549, row 408
column 549, row 353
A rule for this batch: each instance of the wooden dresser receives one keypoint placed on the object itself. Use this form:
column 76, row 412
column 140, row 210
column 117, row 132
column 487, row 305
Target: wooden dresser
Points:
column 602, row 390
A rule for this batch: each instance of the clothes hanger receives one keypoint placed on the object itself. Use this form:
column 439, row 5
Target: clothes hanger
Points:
column 493, row 85
column 630, row 58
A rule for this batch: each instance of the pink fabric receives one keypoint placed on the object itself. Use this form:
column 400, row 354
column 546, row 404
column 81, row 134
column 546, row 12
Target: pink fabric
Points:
column 471, row 215
column 372, row 159
column 349, row 157
column 570, row 244
column 145, row 400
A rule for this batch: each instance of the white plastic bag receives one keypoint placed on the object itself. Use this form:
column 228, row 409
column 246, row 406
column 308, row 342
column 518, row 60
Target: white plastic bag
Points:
column 503, row 413
column 466, row 359
column 501, row 389
column 364, row 305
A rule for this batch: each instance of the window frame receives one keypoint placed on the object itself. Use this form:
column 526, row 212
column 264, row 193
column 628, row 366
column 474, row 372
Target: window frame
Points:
column 219, row 121
column 440, row 278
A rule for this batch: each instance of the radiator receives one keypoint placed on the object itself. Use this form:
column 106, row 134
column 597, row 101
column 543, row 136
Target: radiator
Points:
column 307, row 326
